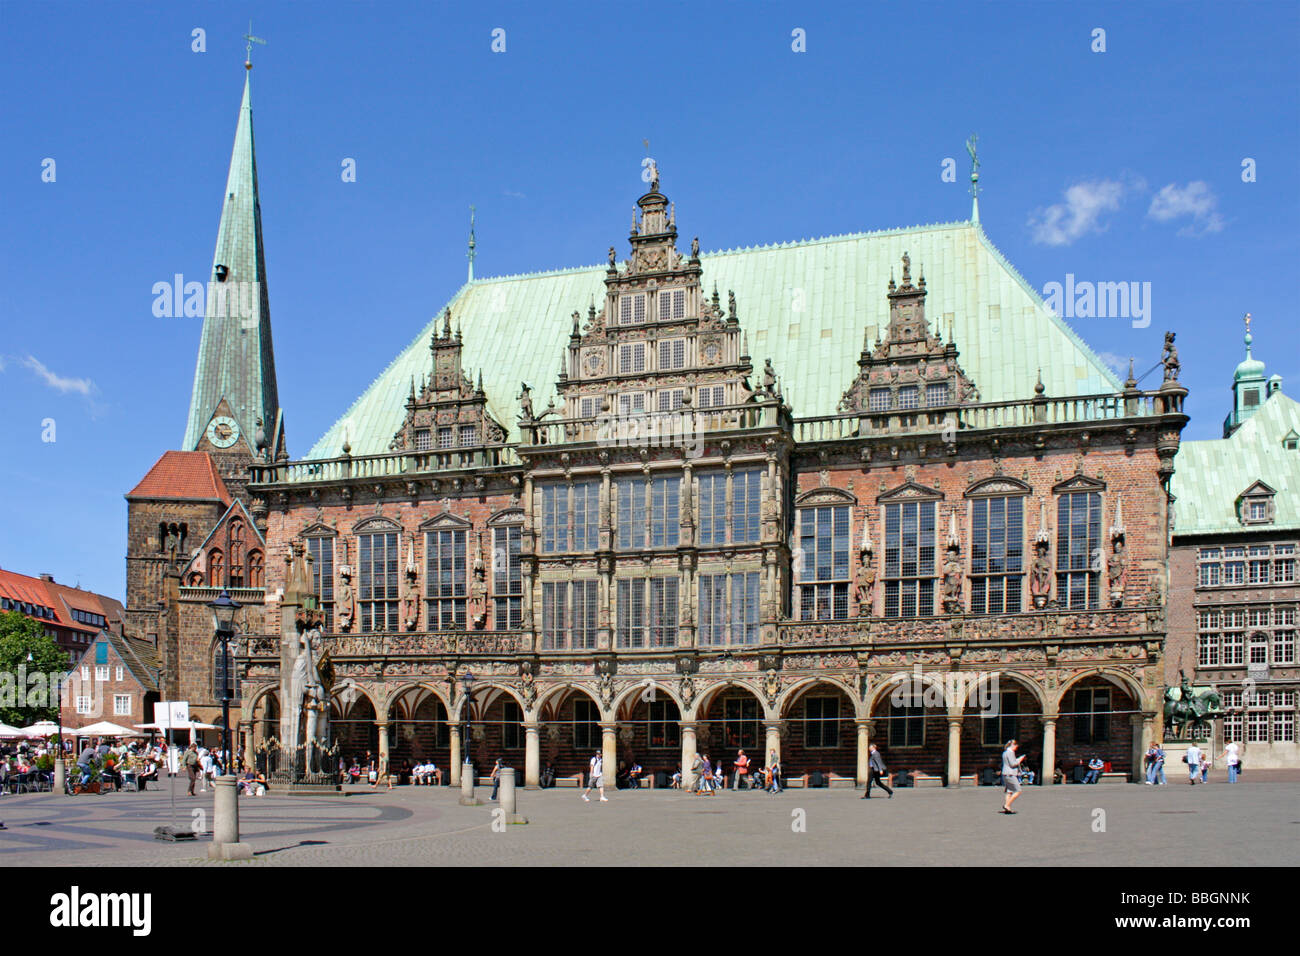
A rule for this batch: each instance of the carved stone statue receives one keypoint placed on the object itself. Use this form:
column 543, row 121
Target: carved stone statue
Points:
column 695, row 248
column 345, row 602
column 687, row 690
column 1115, row 571
column 866, row 583
column 526, row 402
column 771, row 687
column 172, row 545
column 731, row 303
column 410, row 601
column 1169, row 358
column 1040, row 576
column 769, row 378
column 613, row 257
column 305, row 715
column 952, row 583
column 528, row 684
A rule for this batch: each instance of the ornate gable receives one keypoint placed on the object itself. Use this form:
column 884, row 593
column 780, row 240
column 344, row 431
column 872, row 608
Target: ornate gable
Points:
column 659, row 344
column 911, row 369
column 448, row 411
column 1078, row 483
column 997, row 486
column 825, row 496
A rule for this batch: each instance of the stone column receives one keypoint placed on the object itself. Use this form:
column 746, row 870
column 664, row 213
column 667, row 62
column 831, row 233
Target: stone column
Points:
column 773, row 728
column 864, row 750
column 383, row 748
column 688, row 754
column 1049, row 751
column 454, row 758
column 609, row 752
column 532, row 756
column 954, row 751
column 1143, row 728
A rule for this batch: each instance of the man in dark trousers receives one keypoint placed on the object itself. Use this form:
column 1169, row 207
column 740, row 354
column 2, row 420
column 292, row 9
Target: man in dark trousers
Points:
column 876, row 767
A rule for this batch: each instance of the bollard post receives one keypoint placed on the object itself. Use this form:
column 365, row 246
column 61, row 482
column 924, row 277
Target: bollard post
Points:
column 467, row 798
column 60, row 775
column 507, row 795
column 225, row 823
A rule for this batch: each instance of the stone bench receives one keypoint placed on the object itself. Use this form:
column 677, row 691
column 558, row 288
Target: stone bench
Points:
column 1113, row 778
column 926, row 780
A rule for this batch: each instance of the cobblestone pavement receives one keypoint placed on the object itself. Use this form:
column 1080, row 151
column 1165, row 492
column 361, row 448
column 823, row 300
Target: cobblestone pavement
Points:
column 1251, row 823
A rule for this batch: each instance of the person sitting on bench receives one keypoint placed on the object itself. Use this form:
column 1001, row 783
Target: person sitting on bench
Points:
column 1095, row 766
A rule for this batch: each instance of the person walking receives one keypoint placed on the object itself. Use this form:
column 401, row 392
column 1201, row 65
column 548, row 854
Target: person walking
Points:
column 1233, row 755
column 1193, row 760
column 496, row 778
column 595, row 779
column 191, row 763
column 875, row 773
column 1010, row 776
column 742, row 771
column 1158, row 767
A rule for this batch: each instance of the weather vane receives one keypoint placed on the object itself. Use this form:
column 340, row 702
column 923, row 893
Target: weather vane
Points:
column 248, row 49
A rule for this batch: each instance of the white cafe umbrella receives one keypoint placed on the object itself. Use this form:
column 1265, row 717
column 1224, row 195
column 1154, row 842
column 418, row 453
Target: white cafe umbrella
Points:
column 46, row 728
column 106, row 728
column 7, row 731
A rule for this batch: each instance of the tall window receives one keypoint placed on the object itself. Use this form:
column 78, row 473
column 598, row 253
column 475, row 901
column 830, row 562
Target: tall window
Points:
column 824, row 544
column 672, row 304
column 569, row 615
column 821, row 722
column 377, row 565
column 631, row 308
column 1002, row 724
column 512, row 717
column 672, row 354
column 256, row 570
column 909, row 559
column 322, row 575
column 648, row 511
column 741, row 525
column 664, row 724
column 997, row 555
column 1078, row 549
column 236, row 533
column 507, row 582
column 740, row 723
column 906, row 726
column 586, row 724
column 216, row 569
column 444, row 575
column 647, row 612
column 1092, row 715
column 729, row 608
column 631, row 358
column 571, row 516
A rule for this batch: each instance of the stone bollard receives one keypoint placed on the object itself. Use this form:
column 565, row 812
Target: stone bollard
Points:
column 225, row 823
column 60, row 776
column 507, row 795
column 467, row 798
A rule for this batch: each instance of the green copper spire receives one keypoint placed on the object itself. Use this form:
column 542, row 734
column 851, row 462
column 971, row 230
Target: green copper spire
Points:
column 236, row 360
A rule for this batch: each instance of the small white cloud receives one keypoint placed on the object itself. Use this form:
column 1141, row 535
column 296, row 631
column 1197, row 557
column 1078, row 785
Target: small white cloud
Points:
column 1062, row 223
column 1194, row 201
column 82, row 386
column 512, row 194
column 1117, row 363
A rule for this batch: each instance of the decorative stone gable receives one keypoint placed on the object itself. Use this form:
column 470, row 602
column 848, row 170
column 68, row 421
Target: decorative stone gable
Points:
column 449, row 411
column 911, row 370
column 659, row 344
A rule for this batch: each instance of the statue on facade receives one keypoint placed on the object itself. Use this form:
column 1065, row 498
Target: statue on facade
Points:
column 1040, row 576
column 1115, row 571
column 526, row 403
column 345, row 601
column 613, row 258
column 695, row 248
column 952, row 583
column 1169, row 358
column 769, row 378
column 411, row 592
column 731, row 304
column 527, row 684
column 771, row 687
column 172, row 545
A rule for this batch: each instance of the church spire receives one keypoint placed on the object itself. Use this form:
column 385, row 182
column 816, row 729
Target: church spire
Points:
column 235, row 373
column 472, row 244
column 974, row 178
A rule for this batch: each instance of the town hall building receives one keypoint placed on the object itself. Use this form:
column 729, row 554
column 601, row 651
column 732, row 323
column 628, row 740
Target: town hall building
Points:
column 796, row 499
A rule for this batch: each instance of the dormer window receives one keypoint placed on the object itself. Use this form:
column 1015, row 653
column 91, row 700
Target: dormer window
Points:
column 936, row 394
column 1291, row 441
column 1256, row 504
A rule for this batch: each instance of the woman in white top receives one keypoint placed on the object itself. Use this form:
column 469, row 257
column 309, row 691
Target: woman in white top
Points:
column 1233, row 754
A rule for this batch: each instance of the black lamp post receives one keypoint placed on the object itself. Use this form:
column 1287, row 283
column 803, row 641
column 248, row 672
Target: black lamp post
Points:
column 223, row 620
column 467, row 683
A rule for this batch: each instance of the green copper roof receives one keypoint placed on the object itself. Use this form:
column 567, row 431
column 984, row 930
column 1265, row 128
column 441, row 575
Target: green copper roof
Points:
column 1210, row 475
column 803, row 304
column 236, row 360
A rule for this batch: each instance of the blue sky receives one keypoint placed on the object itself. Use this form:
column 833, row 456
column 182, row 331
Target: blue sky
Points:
column 1117, row 166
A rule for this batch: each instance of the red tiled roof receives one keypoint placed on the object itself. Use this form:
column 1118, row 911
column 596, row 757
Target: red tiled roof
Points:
column 61, row 598
column 183, row 474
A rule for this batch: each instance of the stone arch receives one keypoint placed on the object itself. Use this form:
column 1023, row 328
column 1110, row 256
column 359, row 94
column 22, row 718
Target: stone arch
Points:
column 1121, row 679
column 805, row 684
column 726, row 721
column 486, row 692
column 880, row 692
column 555, row 694
column 1021, row 680
column 401, row 690
column 706, row 697
column 632, row 694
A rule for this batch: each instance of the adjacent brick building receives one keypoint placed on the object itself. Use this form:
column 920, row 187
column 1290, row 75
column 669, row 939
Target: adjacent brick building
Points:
column 72, row 617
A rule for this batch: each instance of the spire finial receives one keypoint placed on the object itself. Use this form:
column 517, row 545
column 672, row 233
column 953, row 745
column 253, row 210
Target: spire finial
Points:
column 446, row 323
column 974, row 177
column 472, row 244
column 248, row 48
column 1249, row 337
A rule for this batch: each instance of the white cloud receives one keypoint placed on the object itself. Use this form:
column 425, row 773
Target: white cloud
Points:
column 1062, row 223
column 82, row 386
column 1117, row 363
column 1193, row 200
column 512, row 194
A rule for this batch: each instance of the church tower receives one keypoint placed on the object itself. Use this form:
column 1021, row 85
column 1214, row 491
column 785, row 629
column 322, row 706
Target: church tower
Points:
column 235, row 411
column 1249, row 387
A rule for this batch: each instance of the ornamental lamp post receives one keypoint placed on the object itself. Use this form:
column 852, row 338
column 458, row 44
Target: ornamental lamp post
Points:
column 224, row 610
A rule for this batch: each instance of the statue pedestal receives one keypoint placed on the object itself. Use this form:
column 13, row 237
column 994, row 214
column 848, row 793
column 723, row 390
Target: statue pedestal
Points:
column 1175, row 750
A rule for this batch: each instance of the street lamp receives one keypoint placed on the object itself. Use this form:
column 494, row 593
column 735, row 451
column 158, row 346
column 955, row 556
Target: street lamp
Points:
column 467, row 683
column 223, row 621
